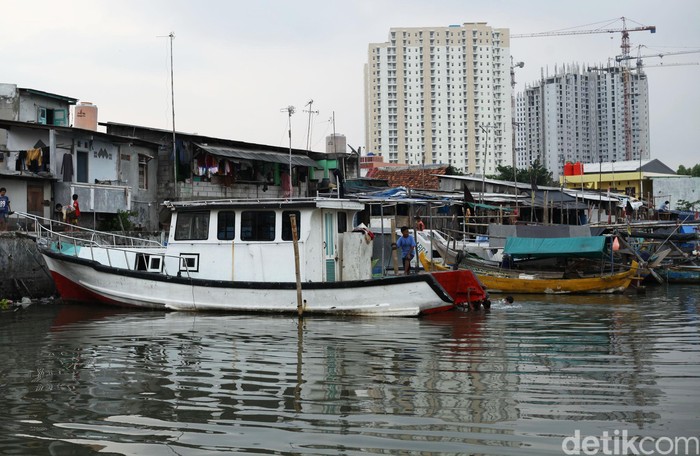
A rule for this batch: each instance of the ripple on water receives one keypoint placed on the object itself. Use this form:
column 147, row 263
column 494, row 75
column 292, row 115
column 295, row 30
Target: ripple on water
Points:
column 515, row 380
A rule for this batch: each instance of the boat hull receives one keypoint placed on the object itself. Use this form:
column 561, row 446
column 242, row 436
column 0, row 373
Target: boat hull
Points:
column 86, row 281
column 681, row 274
column 613, row 283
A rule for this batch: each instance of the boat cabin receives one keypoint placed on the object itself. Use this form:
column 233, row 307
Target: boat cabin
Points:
column 253, row 241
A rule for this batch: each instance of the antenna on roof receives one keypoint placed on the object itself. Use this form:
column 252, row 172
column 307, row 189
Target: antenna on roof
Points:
column 289, row 110
column 308, row 133
column 171, row 35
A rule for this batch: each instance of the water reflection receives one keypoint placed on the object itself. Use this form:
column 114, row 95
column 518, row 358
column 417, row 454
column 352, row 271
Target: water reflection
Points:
column 513, row 381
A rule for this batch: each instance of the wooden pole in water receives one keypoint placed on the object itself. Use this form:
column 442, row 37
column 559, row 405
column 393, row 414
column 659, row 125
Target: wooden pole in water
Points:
column 295, row 239
column 394, row 247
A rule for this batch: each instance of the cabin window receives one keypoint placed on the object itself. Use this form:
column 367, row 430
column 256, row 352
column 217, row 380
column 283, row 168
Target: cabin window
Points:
column 226, row 226
column 189, row 262
column 287, row 225
column 258, row 225
column 342, row 222
column 192, row 226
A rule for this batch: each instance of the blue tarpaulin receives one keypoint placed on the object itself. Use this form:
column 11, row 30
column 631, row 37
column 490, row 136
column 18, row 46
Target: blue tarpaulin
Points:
column 589, row 247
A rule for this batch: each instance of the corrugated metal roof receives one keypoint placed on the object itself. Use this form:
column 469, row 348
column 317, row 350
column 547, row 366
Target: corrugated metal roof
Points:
column 234, row 152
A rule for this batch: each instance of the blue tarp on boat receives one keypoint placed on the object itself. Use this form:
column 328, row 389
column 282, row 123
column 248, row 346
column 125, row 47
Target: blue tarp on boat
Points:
column 589, row 247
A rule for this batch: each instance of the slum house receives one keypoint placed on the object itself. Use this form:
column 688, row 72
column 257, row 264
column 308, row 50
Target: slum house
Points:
column 47, row 164
column 28, row 191
column 206, row 167
column 32, row 106
column 633, row 178
column 413, row 191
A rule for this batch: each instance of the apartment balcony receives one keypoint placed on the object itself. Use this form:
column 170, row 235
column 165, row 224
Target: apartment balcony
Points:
column 102, row 198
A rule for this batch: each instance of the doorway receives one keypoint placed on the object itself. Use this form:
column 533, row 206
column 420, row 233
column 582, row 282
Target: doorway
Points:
column 35, row 199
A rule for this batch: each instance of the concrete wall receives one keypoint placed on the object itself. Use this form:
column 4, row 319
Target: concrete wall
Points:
column 17, row 192
column 144, row 201
column 676, row 188
column 23, row 269
column 9, row 109
column 210, row 190
column 30, row 103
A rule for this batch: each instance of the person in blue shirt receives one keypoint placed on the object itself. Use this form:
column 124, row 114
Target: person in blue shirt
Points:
column 408, row 249
column 5, row 209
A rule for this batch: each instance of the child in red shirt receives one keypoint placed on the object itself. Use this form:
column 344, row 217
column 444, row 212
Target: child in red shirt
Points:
column 76, row 207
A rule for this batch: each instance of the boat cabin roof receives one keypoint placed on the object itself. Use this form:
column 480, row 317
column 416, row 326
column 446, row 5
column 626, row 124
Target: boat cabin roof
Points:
column 296, row 203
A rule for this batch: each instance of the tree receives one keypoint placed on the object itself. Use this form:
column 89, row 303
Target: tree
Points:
column 683, row 205
column 693, row 171
column 541, row 175
column 452, row 171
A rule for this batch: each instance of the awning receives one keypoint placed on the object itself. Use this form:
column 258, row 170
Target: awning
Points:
column 490, row 207
column 589, row 247
column 274, row 157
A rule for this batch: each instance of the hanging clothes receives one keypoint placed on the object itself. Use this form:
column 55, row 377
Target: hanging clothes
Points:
column 34, row 154
column 67, row 168
column 33, row 160
column 46, row 158
column 19, row 163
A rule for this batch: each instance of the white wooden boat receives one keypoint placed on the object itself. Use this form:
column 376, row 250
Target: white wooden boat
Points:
column 239, row 256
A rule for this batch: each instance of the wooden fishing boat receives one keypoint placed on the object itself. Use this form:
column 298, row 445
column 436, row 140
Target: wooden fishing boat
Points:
column 525, row 283
column 480, row 266
column 229, row 255
column 579, row 248
column 681, row 274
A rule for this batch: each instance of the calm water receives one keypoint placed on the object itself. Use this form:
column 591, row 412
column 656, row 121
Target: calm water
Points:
column 517, row 380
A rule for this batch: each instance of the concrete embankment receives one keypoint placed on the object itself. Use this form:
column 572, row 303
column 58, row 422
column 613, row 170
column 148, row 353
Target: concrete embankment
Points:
column 23, row 270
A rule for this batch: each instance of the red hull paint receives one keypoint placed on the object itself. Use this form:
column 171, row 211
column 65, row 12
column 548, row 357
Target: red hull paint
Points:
column 73, row 292
column 462, row 285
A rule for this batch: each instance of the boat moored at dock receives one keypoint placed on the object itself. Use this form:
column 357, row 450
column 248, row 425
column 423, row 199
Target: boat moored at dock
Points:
column 230, row 255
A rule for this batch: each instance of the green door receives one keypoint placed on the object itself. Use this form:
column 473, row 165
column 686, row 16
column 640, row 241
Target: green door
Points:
column 330, row 239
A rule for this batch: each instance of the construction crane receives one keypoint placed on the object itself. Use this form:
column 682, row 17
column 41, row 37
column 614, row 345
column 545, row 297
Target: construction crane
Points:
column 660, row 65
column 639, row 57
column 624, row 47
column 621, row 58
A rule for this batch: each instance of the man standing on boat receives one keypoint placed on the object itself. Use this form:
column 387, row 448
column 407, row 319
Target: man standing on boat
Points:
column 408, row 248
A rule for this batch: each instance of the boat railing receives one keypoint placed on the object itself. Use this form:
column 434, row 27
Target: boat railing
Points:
column 43, row 227
column 228, row 201
column 118, row 250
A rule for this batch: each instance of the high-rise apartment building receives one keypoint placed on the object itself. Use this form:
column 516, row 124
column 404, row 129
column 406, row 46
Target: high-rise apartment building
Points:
column 579, row 115
column 441, row 95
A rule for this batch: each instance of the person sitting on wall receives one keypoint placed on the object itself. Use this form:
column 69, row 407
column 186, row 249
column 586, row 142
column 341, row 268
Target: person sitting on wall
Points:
column 665, row 207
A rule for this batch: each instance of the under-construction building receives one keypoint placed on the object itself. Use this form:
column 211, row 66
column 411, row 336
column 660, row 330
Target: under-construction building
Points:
column 578, row 115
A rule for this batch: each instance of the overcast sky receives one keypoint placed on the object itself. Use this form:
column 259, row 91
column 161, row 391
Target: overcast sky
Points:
column 237, row 64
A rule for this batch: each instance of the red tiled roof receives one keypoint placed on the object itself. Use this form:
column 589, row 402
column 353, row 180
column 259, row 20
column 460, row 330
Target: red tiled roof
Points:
column 415, row 177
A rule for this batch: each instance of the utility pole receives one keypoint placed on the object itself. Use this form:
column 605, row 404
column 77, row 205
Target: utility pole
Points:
column 171, row 35
column 485, row 129
column 514, row 125
column 308, row 131
column 289, row 110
